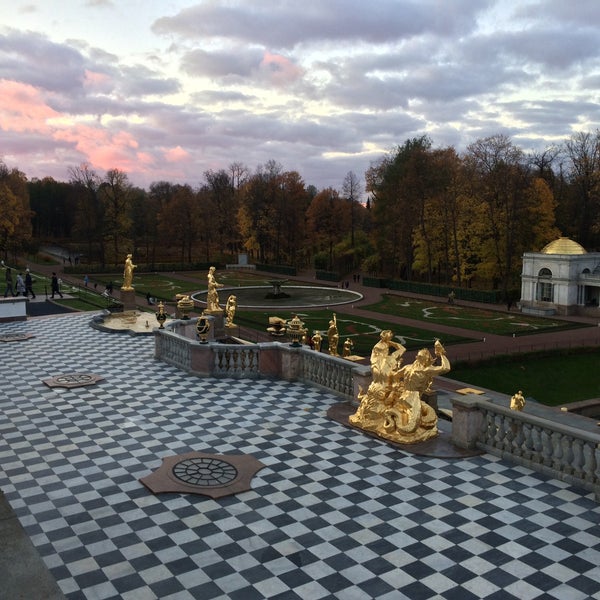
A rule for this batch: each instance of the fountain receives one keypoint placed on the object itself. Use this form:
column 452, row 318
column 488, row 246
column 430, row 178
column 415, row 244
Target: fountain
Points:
column 276, row 293
column 295, row 296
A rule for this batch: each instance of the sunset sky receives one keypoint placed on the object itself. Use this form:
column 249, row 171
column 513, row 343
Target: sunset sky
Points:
column 168, row 89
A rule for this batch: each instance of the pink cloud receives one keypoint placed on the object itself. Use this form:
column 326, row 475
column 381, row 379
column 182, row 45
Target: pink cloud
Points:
column 99, row 82
column 177, row 154
column 22, row 108
column 279, row 70
column 105, row 149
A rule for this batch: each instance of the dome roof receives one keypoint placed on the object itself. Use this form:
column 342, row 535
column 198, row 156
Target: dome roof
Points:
column 563, row 245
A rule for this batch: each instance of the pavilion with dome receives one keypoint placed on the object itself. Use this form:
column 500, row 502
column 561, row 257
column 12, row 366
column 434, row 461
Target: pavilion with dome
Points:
column 563, row 278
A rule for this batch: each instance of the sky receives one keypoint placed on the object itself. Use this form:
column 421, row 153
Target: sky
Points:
column 166, row 90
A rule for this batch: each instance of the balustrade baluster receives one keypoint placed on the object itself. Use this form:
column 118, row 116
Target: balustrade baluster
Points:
column 557, row 451
column 589, row 462
column 578, row 459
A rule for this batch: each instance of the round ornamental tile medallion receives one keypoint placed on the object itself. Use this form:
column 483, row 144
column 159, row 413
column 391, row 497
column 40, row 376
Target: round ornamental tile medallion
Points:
column 15, row 337
column 205, row 471
column 213, row 475
column 72, row 380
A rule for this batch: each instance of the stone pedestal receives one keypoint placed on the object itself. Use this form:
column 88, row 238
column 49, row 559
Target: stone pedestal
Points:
column 128, row 299
column 217, row 323
column 431, row 399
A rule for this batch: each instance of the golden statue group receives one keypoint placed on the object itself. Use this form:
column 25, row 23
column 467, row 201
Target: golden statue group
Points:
column 392, row 406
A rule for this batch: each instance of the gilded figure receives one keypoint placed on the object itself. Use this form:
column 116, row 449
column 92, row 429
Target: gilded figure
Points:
column 317, row 340
column 230, row 308
column 212, row 296
column 128, row 273
column 333, row 336
column 517, row 402
column 348, row 345
column 392, row 405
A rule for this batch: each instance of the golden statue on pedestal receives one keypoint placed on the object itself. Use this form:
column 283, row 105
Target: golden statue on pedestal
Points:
column 517, row 402
column 317, row 340
column 333, row 336
column 392, row 406
column 230, row 308
column 212, row 296
column 128, row 274
column 348, row 345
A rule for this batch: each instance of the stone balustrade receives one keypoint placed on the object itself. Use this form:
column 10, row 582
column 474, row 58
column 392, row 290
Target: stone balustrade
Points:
column 176, row 344
column 13, row 309
column 566, row 451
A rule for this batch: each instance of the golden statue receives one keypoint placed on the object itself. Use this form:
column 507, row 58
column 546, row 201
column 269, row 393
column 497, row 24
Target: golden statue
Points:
column 392, row 406
column 212, row 296
column 317, row 340
column 128, row 274
column 517, row 402
column 348, row 345
column 230, row 308
column 333, row 336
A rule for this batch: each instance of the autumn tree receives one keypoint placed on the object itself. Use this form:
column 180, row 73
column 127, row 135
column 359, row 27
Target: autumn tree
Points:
column 583, row 174
column 221, row 198
column 352, row 191
column 440, row 215
column 293, row 216
column 396, row 187
column 501, row 181
column 53, row 205
column 15, row 214
column 260, row 213
column 116, row 196
column 180, row 220
column 328, row 220
column 89, row 210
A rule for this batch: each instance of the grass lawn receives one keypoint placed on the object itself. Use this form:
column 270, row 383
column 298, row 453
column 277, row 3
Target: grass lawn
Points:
column 364, row 332
column 553, row 380
column 476, row 319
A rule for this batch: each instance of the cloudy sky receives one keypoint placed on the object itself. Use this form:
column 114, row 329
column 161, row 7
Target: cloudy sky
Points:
column 167, row 89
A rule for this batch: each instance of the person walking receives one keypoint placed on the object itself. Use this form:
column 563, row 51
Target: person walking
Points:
column 9, row 283
column 54, row 286
column 29, row 285
column 20, row 285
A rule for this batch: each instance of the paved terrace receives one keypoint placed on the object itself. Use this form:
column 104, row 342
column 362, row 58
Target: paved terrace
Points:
column 334, row 514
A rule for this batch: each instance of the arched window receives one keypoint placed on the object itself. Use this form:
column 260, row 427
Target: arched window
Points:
column 544, row 291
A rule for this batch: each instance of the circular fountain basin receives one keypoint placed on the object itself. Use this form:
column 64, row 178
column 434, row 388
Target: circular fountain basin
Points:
column 299, row 297
column 132, row 321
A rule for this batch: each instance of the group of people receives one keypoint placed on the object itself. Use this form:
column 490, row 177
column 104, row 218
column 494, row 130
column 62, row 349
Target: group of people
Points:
column 23, row 286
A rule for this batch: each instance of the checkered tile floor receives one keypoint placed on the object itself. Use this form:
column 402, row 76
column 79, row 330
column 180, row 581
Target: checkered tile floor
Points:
column 334, row 514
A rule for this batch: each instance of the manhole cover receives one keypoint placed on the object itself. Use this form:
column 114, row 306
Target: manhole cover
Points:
column 205, row 472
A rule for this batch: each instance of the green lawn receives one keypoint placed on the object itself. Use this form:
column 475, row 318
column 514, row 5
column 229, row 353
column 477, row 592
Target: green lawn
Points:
column 166, row 286
column 553, row 380
column 364, row 332
column 476, row 319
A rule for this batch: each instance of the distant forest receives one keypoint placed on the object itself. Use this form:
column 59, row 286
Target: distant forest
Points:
column 419, row 213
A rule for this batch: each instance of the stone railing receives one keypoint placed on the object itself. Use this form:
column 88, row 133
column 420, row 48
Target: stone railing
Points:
column 176, row 345
column 566, row 451
column 13, row 309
